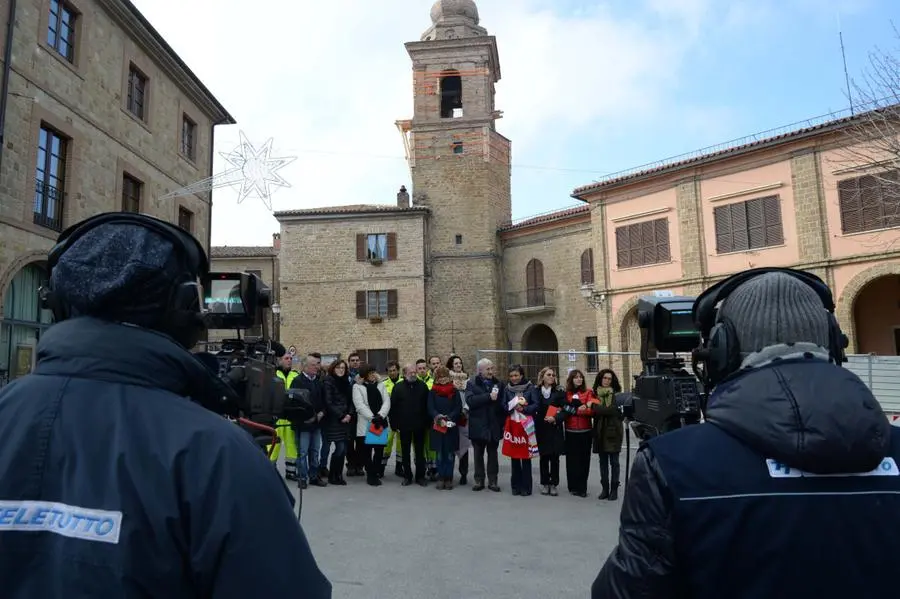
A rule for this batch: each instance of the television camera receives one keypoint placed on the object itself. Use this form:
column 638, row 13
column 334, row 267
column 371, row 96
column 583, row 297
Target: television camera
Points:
column 666, row 396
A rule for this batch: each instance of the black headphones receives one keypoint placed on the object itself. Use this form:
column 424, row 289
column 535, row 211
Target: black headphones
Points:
column 184, row 319
column 719, row 355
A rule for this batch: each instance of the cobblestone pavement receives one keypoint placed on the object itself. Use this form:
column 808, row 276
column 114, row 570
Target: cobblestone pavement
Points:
column 393, row 542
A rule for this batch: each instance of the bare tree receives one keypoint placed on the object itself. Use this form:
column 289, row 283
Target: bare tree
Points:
column 869, row 167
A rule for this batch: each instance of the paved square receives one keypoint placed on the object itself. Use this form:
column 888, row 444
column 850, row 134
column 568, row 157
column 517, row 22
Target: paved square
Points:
column 393, row 542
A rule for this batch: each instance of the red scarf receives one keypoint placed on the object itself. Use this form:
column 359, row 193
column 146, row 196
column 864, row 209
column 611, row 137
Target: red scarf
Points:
column 446, row 390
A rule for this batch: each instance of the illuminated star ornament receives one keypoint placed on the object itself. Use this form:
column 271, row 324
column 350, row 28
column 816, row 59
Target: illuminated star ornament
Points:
column 254, row 170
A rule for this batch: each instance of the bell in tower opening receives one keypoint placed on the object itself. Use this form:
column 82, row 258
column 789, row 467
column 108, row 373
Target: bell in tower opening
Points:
column 451, row 95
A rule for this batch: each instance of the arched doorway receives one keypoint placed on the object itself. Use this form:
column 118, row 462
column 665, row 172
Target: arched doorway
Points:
column 23, row 322
column 631, row 343
column 876, row 317
column 540, row 338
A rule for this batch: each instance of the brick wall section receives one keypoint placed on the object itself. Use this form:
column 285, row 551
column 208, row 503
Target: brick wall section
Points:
column 690, row 217
column 809, row 207
column 319, row 277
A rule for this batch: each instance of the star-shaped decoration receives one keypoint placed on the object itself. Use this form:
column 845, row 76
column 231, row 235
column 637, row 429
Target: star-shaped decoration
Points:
column 255, row 170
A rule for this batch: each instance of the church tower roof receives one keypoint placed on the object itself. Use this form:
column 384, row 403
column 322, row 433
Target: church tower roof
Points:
column 454, row 19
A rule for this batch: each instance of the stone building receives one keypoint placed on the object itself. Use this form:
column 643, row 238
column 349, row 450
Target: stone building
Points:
column 446, row 270
column 98, row 114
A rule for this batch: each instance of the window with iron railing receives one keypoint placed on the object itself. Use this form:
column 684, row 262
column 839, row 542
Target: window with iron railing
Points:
column 50, row 176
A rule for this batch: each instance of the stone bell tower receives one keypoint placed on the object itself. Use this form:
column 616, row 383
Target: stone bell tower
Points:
column 460, row 167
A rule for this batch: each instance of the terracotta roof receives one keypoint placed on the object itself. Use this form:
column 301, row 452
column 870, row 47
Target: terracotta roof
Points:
column 242, row 251
column 772, row 137
column 548, row 217
column 351, row 209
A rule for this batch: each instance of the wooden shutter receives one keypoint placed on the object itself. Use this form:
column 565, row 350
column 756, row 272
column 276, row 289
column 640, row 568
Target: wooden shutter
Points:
column 392, row 303
column 724, row 231
column 393, row 355
column 772, row 218
column 850, row 206
column 361, row 247
column 623, row 248
column 871, row 201
column 663, row 253
column 649, row 243
column 360, row 304
column 890, row 198
column 391, row 246
column 756, row 231
column 587, row 267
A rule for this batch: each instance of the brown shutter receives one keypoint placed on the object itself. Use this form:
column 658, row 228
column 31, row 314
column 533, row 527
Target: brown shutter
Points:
column 360, row 247
column 636, row 245
column 663, row 253
column 850, row 206
column 724, row 235
column 890, row 198
column 391, row 246
column 392, row 303
column 360, row 304
column 772, row 217
column 871, row 201
column 755, row 226
column 649, row 243
column 393, row 355
column 622, row 249
column 587, row 266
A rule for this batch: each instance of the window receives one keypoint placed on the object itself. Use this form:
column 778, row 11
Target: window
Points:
column 376, row 304
column 131, row 194
column 534, row 283
column 137, row 93
column 185, row 219
column 748, row 225
column 188, row 138
column 587, row 267
column 376, row 247
column 61, row 29
column 593, row 360
column 451, row 95
column 643, row 243
column 459, row 240
column 870, row 203
column 458, row 147
column 378, row 358
column 50, row 177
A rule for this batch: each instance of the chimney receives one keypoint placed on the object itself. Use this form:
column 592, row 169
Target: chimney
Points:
column 403, row 197
column 276, row 241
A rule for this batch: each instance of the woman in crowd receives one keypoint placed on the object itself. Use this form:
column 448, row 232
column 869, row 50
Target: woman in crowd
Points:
column 460, row 378
column 337, row 426
column 445, row 408
column 550, row 399
column 580, row 401
column 370, row 398
column 608, row 432
column 518, row 396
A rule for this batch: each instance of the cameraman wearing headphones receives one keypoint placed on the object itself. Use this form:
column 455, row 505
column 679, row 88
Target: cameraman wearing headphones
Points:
column 790, row 488
column 115, row 480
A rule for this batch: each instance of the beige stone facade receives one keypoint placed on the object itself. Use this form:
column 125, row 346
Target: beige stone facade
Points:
column 110, row 122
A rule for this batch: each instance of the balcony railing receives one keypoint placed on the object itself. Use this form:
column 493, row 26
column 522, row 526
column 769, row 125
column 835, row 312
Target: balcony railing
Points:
column 539, row 299
column 49, row 202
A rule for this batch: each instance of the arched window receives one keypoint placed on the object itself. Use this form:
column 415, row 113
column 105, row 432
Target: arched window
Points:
column 23, row 322
column 587, row 267
column 534, row 282
column 451, row 95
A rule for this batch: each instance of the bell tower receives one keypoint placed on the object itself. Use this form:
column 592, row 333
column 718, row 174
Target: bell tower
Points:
column 460, row 170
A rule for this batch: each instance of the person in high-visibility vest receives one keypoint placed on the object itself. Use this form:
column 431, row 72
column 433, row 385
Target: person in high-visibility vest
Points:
column 285, row 431
column 393, row 371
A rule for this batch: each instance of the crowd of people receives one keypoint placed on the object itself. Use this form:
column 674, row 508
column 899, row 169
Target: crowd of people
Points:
column 430, row 413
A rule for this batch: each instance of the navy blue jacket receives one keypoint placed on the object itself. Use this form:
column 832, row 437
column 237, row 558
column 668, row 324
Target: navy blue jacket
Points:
column 791, row 489
column 114, row 485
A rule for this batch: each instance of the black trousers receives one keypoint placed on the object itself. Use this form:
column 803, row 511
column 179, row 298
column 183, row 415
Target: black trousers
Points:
column 550, row 470
column 417, row 440
column 355, row 453
column 464, row 464
column 609, row 463
column 493, row 466
column 372, row 460
column 578, row 460
column 521, row 476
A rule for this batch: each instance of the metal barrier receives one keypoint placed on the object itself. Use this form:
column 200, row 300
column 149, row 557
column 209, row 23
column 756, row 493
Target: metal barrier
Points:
column 880, row 373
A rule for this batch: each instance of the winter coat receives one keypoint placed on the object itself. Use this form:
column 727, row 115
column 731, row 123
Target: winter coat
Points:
column 551, row 439
column 737, row 506
column 409, row 406
column 316, row 397
column 338, row 403
column 525, row 390
column 609, row 427
column 117, row 483
column 486, row 417
column 364, row 413
column 450, row 405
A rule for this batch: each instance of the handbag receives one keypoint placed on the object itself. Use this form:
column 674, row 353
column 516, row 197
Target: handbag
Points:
column 376, row 435
column 519, row 438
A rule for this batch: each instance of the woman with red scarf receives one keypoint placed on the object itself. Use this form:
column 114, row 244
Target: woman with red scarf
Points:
column 580, row 401
column 445, row 408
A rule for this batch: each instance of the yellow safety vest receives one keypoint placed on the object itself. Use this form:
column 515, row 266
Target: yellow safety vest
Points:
column 389, row 384
column 288, row 378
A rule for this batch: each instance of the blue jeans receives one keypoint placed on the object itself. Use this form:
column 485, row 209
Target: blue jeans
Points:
column 325, row 453
column 309, row 446
column 340, row 449
column 445, row 461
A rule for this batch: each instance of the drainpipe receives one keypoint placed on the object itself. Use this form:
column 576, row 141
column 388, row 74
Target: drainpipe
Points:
column 212, row 159
column 7, row 67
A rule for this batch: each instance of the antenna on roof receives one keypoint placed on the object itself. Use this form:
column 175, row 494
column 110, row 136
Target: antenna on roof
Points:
column 844, row 58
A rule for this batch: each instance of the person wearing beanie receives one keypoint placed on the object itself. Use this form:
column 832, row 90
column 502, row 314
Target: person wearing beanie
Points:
column 118, row 480
column 791, row 486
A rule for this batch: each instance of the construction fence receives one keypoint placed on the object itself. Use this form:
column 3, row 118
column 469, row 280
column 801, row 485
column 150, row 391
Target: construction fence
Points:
column 880, row 373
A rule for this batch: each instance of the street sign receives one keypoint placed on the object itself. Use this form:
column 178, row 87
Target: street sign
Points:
column 573, row 357
column 663, row 293
column 293, row 351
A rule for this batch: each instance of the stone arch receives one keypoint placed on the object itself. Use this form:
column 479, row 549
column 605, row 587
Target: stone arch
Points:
column 624, row 321
column 850, row 293
column 539, row 337
column 18, row 264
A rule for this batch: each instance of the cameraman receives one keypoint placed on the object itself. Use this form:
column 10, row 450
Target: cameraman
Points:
column 790, row 488
column 116, row 481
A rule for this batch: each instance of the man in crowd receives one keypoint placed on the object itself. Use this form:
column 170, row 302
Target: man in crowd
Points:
column 309, row 432
column 409, row 417
column 791, row 486
column 487, row 415
column 426, row 377
column 393, row 376
column 286, row 374
column 355, row 448
column 434, row 362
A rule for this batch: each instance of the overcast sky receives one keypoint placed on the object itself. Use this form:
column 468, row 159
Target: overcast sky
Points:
column 588, row 87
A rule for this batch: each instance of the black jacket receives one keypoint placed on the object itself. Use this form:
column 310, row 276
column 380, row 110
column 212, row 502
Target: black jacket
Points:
column 409, row 406
column 122, row 487
column 316, row 390
column 737, row 507
column 486, row 416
